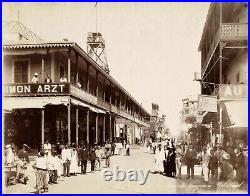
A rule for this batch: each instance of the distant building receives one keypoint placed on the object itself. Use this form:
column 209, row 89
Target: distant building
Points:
column 157, row 124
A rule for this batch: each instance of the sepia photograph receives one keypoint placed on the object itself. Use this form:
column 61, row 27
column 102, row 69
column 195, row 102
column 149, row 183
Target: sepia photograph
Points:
column 125, row 97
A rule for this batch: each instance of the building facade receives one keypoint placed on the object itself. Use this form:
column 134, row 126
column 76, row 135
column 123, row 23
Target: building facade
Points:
column 80, row 102
column 224, row 70
column 157, row 123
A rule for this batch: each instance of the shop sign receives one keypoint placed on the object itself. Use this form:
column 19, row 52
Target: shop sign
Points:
column 35, row 89
column 207, row 103
column 233, row 91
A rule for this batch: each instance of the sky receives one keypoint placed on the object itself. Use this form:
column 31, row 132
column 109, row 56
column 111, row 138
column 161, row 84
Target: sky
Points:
column 152, row 48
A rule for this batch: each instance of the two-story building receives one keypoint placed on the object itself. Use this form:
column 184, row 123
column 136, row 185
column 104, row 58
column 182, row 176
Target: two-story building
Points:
column 80, row 102
column 224, row 67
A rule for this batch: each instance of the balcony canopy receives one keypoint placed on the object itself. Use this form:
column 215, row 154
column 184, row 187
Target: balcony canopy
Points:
column 11, row 103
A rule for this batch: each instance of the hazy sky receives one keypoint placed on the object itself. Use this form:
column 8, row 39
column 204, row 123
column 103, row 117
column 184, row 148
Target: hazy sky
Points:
column 152, row 48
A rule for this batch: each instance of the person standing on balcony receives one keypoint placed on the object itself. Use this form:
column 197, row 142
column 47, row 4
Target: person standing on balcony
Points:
column 63, row 79
column 79, row 85
column 48, row 79
column 35, row 78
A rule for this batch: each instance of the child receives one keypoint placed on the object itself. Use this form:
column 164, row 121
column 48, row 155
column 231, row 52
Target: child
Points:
column 108, row 154
column 127, row 149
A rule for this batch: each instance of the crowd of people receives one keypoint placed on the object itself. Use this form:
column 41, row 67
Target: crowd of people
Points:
column 218, row 165
column 52, row 163
column 58, row 161
column 165, row 156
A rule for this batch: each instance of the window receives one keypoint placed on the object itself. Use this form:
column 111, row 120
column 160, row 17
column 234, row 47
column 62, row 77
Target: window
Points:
column 238, row 77
column 21, row 71
column 62, row 71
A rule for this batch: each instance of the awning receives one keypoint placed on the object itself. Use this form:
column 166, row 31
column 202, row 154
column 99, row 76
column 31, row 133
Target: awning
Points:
column 97, row 110
column 11, row 103
column 80, row 103
column 237, row 113
column 85, row 105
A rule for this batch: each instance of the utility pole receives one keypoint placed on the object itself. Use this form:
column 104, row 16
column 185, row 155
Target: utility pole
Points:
column 96, row 16
column 220, row 76
column 220, row 141
column 18, row 16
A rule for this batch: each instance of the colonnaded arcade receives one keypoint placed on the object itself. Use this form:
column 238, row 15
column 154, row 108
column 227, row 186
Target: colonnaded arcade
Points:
column 89, row 106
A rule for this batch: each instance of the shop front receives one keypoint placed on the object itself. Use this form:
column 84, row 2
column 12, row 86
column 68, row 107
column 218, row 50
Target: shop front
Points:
column 33, row 120
column 234, row 105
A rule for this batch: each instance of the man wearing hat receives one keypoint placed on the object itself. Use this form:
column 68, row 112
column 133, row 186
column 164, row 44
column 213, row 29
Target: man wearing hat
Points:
column 23, row 153
column 190, row 157
column 35, row 78
column 48, row 79
column 23, row 156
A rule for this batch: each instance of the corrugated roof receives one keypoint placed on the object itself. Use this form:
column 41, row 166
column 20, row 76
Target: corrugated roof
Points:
column 38, row 45
column 77, row 48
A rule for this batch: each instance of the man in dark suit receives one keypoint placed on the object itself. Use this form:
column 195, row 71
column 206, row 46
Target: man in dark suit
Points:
column 190, row 157
column 83, row 156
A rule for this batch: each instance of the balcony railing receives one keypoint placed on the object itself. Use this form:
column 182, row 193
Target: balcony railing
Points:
column 234, row 31
column 229, row 32
column 63, row 89
column 103, row 104
column 83, row 95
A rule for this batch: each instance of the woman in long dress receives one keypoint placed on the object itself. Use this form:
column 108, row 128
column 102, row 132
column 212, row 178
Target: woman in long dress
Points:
column 159, row 158
column 74, row 162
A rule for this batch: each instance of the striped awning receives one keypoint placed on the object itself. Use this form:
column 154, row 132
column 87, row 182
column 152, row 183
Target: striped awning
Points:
column 10, row 103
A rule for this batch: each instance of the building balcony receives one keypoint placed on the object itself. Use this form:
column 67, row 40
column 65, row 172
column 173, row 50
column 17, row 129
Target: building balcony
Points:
column 234, row 32
column 63, row 89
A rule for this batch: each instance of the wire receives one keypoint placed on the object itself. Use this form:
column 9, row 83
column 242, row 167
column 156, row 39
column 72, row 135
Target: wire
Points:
column 213, row 66
column 210, row 83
